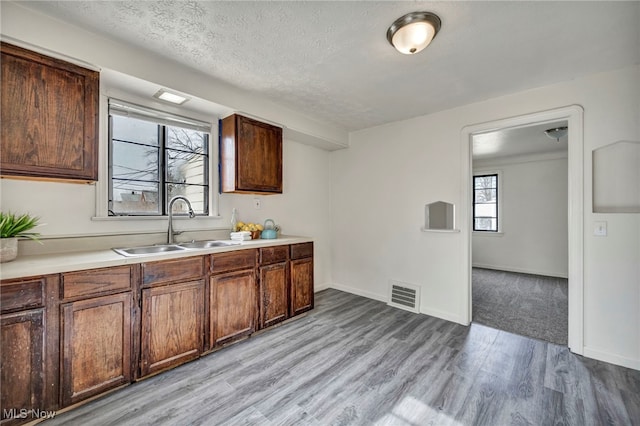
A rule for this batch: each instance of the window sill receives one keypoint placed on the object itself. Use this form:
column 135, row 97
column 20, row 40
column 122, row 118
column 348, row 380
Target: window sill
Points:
column 147, row 218
column 439, row 230
column 488, row 234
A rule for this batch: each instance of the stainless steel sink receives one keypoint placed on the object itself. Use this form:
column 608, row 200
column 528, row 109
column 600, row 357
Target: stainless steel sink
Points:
column 206, row 244
column 168, row 248
column 139, row 251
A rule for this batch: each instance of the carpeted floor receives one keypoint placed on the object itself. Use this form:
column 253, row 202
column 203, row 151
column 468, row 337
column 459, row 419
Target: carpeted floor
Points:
column 530, row 305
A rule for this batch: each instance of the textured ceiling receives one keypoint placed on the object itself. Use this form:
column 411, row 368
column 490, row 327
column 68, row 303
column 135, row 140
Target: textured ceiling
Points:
column 331, row 60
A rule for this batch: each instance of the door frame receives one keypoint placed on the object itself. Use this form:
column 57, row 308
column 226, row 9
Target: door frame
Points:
column 574, row 114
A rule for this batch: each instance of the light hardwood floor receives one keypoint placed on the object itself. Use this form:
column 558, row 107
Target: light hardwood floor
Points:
column 356, row 361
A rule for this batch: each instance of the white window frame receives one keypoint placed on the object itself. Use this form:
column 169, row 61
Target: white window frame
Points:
column 499, row 200
column 102, row 186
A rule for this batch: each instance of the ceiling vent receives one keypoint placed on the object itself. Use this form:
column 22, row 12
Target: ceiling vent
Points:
column 404, row 296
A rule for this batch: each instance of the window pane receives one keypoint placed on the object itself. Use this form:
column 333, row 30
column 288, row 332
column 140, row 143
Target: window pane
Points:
column 135, row 197
column 485, row 195
column 481, row 182
column 485, row 224
column 485, row 199
column 187, row 140
column 151, row 162
column 132, row 161
column 196, row 194
column 185, row 167
column 134, row 130
column 486, row 210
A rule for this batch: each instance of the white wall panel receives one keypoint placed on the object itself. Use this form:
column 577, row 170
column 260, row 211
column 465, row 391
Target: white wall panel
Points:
column 533, row 216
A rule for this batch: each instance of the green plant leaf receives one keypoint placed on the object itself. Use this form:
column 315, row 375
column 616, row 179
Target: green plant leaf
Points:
column 12, row 225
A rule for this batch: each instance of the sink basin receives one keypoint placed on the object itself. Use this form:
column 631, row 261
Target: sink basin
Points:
column 205, row 244
column 138, row 251
column 168, row 248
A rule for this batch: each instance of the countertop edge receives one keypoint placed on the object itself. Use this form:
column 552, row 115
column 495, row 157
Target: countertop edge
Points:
column 52, row 263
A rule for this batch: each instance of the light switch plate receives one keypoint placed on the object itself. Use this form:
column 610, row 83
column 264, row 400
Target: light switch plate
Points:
column 257, row 204
column 600, row 228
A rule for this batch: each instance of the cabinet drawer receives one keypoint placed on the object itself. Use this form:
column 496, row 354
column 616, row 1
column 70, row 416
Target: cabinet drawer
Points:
column 173, row 270
column 22, row 295
column 298, row 251
column 95, row 281
column 232, row 261
column 274, row 254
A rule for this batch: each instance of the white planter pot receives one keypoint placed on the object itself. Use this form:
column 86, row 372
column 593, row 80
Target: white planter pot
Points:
column 8, row 249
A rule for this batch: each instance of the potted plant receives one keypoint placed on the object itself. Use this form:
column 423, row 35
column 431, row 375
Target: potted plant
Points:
column 13, row 226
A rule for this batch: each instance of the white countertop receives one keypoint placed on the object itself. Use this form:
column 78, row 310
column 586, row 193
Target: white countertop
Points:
column 53, row 263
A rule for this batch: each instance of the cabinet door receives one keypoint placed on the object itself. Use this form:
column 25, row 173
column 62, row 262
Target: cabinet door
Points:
column 21, row 364
column 49, row 117
column 301, row 286
column 171, row 325
column 251, row 156
column 96, row 346
column 274, row 294
column 259, row 156
column 233, row 306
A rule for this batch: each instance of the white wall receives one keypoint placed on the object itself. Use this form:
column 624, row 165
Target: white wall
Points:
column 382, row 182
column 533, row 217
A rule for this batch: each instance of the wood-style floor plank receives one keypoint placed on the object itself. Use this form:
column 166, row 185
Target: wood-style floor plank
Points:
column 356, row 361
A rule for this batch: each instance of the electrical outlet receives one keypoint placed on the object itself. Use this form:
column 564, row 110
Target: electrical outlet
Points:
column 257, row 204
column 600, row 228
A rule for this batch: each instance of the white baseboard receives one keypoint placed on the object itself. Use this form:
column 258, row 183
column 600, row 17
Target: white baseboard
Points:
column 320, row 287
column 522, row 270
column 359, row 292
column 612, row 358
column 442, row 315
column 384, row 298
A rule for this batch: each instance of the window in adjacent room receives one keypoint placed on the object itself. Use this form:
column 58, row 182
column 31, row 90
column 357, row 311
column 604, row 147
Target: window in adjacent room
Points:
column 154, row 156
column 485, row 203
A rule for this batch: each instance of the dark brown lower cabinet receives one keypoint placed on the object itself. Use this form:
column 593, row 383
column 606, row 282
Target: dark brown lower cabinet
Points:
column 22, row 366
column 172, row 325
column 96, row 346
column 71, row 336
column 274, row 294
column 29, row 348
column 233, row 304
column 301, row 286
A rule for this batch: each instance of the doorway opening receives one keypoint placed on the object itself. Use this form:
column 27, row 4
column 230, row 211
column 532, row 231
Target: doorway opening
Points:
column 573, row 116
column 520, row 231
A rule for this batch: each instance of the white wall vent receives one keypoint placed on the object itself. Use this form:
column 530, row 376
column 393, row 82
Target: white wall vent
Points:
column 404, row 296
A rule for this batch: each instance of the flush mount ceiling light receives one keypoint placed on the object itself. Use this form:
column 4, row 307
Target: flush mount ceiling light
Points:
column 557, row 133
column 167, row 96
column 413, row 32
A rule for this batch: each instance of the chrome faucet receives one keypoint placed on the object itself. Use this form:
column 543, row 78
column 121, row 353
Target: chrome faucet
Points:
column 170, row 233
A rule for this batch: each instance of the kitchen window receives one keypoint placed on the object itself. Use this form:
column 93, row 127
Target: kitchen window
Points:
column 485, row 202
column 154, row 156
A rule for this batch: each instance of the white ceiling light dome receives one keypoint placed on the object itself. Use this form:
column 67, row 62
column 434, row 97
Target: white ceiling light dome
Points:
column 557, row 133
column 413, row 32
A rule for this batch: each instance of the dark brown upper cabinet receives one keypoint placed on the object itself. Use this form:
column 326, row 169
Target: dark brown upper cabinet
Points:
column 49, row 117
column 250, row 156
